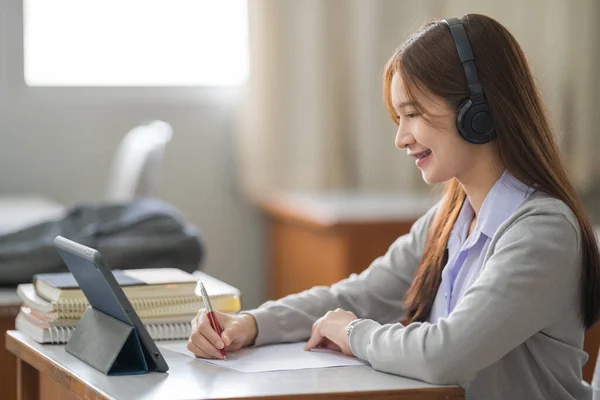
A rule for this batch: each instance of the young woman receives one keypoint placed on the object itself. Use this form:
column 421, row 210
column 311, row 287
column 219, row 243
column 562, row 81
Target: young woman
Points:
column 497, row 283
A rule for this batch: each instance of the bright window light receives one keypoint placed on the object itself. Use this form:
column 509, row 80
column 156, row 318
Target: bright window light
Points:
column 135, row 42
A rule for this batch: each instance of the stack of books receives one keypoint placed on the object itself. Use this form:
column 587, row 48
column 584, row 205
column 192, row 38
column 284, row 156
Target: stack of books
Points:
column 165, row 299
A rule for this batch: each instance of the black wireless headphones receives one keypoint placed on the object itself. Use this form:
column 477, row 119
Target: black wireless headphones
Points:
column 474, row 121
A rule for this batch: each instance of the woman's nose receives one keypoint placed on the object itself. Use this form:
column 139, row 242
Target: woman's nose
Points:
column 403, row 138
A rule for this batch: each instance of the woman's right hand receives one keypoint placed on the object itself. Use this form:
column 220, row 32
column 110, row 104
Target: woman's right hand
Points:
column 237, row 331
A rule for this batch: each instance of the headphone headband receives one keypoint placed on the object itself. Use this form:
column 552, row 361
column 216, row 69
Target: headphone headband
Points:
column 474, row 121
column 463, row 46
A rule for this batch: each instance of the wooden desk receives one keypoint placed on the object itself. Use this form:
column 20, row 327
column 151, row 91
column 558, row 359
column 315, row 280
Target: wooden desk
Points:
column 9, row 307
column 319, row 239
column 48, row 372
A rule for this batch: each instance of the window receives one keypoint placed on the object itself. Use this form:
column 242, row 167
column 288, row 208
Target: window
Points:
column 135, row 42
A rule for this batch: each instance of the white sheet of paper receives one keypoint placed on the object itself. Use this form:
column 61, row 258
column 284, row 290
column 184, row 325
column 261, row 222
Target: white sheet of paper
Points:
column 276, row 357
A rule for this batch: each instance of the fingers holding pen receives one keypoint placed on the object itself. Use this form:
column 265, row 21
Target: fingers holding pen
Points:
column 204, row 345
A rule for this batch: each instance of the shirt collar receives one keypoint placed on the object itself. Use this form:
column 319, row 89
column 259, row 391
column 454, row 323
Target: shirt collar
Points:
column 461, row 226
column 503, row 199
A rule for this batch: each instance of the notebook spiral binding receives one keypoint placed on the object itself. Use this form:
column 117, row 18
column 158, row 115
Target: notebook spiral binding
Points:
column 75, row 308
column 59, row 334
column 172, row 331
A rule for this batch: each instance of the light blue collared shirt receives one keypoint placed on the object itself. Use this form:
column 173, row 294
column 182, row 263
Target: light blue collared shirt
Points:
column 466, row 254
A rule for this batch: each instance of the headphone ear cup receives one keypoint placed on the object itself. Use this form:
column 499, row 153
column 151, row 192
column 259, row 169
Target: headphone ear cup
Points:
column 475, row 123
column 460, row 119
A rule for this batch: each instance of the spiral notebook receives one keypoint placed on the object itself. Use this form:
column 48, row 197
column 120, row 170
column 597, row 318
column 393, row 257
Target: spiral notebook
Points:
column 61, row 334
column 150, row 282
column 166, row 317
column 223, row 297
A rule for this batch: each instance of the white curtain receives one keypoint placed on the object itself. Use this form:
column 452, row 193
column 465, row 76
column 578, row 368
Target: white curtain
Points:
column 313, row 116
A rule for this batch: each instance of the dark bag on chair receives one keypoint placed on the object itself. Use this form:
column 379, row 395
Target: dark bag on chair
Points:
column 145, row 233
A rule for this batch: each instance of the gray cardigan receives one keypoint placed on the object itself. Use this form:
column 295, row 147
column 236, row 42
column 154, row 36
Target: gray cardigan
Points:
column 516, row 334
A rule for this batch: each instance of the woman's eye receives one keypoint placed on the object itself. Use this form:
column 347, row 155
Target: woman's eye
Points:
column 411, row 115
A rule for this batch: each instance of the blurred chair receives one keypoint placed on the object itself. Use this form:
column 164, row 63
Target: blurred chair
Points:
column 137, row 166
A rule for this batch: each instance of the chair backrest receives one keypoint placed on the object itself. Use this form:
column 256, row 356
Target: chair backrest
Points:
column 137, row 164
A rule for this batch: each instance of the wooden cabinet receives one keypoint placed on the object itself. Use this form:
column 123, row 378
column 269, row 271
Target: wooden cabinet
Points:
column 591, row 343
column 319, row 239
column 9, row 307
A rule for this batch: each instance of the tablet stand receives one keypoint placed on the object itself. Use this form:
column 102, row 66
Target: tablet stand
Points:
column 107, row 344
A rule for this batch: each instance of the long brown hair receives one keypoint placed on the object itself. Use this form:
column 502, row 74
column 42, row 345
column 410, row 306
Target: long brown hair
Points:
column 428, row 62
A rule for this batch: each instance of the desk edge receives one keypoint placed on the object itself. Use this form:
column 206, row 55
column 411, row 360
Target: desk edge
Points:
column 23, row 351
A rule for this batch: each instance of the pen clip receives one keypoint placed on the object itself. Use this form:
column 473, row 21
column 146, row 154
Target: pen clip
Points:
column 205, row 298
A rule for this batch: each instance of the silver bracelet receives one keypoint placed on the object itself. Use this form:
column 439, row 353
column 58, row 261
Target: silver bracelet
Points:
column 349, row 328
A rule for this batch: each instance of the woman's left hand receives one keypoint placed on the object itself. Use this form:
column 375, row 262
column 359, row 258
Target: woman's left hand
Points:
column 330, row 331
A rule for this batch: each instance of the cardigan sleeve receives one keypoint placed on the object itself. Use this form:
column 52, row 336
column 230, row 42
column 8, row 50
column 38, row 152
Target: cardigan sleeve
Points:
column 524, row 285
column 376, row 293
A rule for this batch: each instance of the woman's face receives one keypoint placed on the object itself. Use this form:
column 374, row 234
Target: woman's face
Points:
column 439, row 151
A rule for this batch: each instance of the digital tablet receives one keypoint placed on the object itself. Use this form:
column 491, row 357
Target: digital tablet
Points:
column 104, row 294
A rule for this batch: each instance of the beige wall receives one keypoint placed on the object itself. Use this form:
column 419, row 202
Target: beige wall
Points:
column 59, row 143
